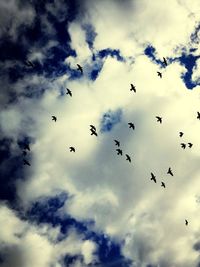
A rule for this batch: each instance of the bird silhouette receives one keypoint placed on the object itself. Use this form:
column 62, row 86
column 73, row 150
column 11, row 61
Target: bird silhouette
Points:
column 69, row 92
column 170, row 172
column 159, row 74
column 72, row 149
column 117, row 143
column 92, row 128
column 26, row 162
column 133, row 88
column 93, row 132
column 119, row 151
column 79, row 68
column 27, row 147
column 153, row 177
column 159, row 119
column 190, row 145
column 131, row 125
column 54, row 118
column 181, row 134
column 198, row 115
column 183, row 145
column 164, row 61
column 186, row 222
column 29, row 64
column 128, row 158
column 163, row 184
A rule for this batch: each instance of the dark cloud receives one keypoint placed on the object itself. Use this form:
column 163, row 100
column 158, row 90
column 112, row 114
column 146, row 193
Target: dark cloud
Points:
column 11, row 169
column 197, row 246
column 11, row 256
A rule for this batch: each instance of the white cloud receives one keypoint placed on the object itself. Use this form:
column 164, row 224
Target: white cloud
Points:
column 26, row 244
column 88, row 249
column 118, row 195
column 196, row 72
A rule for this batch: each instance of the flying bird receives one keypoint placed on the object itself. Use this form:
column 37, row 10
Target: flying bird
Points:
column 26, row 162
column 72, row 149
column 131, row 125
column 119, row 151
column 133, row 88
column 54, row 118
column 163, row 184
column 198, row 115
column 79, row 68
column 170, row 172
column 29, row 64
column 183, row 145
column 153, row 177
column 159, row 119
column 128, row 158
column 69, row 92
column 93, row 132
column 26, row 146
column 159, row 74
column 186, row 222
column 117, row 143
column 181, row 134
column 190, row 145
column 164, row 61
column 92, row 128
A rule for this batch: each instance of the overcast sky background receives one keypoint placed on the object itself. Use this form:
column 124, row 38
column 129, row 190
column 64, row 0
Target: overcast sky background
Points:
column 93, row 207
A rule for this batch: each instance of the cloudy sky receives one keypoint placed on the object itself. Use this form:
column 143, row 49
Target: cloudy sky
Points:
column 93, row 207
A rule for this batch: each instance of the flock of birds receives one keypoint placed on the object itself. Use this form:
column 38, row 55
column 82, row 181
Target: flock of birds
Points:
column 93, row 130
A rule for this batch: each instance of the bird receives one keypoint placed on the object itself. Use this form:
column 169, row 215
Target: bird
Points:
column 133, row 88
column 163, row 184
column 26, row 146
column 159, row 74
column 181, row 134
column 164, row 61
column 198, row 115
column 69, row 92
column 183, row 145
column 26, row 162
column 72, row 149
column 159, row 119
column 186, row 222
column 170, row 172
column 153, row 177
column 93, row 132
column 190, row 145
column 54, row 118
column 131, row 125
column 128, row 158
column 117, row 143
column 79, row 68
column 29, row 64
column 92, row 128
column 119, row 151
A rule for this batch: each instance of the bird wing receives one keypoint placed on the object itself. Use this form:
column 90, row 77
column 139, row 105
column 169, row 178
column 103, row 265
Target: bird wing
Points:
column 92, row 127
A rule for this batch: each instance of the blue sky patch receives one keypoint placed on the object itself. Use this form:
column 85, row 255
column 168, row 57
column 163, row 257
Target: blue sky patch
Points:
column 110, row 119
column 46, row 211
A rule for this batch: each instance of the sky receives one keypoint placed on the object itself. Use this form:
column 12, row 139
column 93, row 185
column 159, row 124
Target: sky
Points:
column 93, row 207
